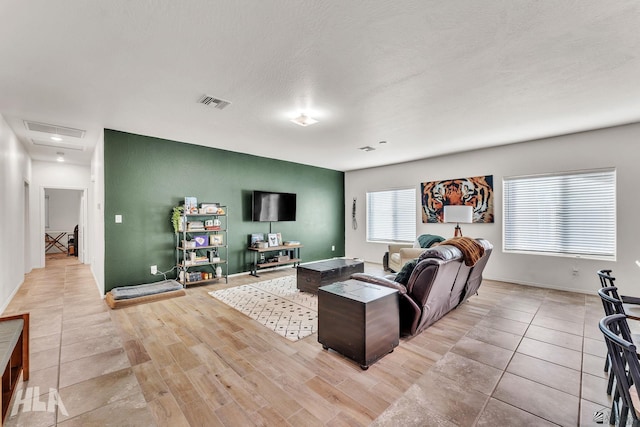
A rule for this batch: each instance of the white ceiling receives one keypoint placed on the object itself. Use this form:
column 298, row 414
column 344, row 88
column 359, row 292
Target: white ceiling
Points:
column 428, row 77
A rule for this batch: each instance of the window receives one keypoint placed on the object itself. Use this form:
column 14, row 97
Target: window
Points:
column 570, row 214
column 391, row 215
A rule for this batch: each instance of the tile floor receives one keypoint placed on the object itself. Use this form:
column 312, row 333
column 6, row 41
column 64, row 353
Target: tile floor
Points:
column 75, row 351
column 513, row 355
column 539, row 356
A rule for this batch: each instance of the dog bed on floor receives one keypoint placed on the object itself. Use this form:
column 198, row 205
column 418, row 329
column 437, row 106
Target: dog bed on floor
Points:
column 126, row 296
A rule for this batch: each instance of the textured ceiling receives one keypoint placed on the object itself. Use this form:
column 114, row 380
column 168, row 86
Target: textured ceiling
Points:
column 428, row 77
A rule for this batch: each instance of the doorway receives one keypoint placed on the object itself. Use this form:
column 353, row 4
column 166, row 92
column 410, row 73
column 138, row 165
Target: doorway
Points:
column 27, row 227
column 64, row 223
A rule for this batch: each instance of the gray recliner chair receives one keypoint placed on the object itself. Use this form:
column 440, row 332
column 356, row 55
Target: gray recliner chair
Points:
column 439, row 282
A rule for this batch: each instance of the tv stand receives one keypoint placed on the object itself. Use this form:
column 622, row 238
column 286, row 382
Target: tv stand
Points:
column 293, row 257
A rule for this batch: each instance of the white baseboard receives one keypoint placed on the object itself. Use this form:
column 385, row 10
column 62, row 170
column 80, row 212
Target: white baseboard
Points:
column 8, row 301
column 543, row 285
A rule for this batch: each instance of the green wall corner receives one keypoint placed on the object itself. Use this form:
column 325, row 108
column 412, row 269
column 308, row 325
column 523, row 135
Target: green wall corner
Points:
column 146, row 177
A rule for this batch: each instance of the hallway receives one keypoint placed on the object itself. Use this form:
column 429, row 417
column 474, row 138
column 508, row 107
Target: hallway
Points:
column 75, row 350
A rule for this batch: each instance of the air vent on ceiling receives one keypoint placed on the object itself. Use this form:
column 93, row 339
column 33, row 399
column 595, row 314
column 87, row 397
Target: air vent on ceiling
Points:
column 57, row 130
column 367, row 148
column 57, row 145
column 220, row 104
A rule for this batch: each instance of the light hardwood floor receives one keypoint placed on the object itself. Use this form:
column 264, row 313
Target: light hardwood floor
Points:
column 512, row 355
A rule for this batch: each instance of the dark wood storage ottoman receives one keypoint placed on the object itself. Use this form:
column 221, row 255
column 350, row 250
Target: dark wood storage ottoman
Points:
column 313, row 275
column 359, row 320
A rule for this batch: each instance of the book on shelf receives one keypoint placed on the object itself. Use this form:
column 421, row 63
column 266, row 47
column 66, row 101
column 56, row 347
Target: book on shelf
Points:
column 195, row 226
column 196, row 261
column 291, row 243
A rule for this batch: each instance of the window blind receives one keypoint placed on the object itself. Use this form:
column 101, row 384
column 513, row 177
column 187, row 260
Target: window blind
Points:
column 391, row 215
column 569, row 214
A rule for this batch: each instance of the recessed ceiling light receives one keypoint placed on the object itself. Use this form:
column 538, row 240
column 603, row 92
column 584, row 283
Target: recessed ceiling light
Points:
column 60, row 157
column 382, row 142
column 56, row 138
column 304, row 120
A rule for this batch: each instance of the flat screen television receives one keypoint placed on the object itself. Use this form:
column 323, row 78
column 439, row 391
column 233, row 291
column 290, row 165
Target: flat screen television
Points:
column 272, row 206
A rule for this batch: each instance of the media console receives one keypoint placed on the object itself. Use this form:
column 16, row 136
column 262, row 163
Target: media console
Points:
column 293, row 257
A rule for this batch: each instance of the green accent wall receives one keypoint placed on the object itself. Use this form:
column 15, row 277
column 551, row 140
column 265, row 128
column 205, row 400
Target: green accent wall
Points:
column 146, row 177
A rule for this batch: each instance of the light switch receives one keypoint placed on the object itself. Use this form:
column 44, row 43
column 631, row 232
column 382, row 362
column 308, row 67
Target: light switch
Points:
column 118, row 219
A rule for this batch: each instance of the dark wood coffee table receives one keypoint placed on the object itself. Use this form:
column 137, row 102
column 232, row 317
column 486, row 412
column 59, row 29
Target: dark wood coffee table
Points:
column 359, row 320
column 313, row 275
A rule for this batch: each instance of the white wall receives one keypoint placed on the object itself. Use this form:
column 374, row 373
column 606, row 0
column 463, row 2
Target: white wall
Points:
column 63, row 208
column 613, row 147
column 96, row 214
column 64, row 213
column 52, row 175
column 15, row 171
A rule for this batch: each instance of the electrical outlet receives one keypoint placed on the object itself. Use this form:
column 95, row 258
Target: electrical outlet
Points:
column 575, row 271
column 154, row 269
column 333, row 248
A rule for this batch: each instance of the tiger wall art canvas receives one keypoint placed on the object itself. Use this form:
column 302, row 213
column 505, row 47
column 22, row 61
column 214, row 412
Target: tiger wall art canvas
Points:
column 476, row 192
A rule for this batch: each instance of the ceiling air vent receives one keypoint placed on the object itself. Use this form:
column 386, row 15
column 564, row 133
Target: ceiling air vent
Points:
column 220, row 104
column 57, row 145
column 57, row 130
column 366, row 148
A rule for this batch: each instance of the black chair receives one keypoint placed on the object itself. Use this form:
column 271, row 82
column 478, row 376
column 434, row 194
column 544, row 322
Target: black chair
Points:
column 625, row 365
column 611, row 301
column 606, row 279
column 612, row 305
column 632, row 304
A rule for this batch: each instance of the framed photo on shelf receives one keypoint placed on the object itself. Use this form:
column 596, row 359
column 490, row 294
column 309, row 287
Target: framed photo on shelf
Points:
column 256, row 237
column 273, row 239
column 216, row 239
column 279, row 239
column 190, row 205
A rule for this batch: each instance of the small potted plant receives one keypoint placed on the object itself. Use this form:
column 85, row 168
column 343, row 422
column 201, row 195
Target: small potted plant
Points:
column 176, row 218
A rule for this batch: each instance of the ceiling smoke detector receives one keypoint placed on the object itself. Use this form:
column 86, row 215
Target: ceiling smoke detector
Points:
column 220, row 104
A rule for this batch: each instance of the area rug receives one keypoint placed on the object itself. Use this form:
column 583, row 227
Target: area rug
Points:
column 277, row 304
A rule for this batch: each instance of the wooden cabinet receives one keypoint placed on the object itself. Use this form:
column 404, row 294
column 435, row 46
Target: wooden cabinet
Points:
column 14, row 355
column 359, row 320
column 311, row 276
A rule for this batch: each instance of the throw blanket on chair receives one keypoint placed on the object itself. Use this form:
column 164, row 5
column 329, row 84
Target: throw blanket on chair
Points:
column 428, row 240
column 471, row 250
